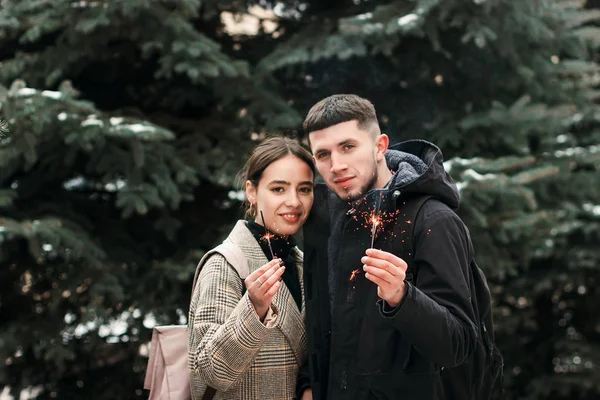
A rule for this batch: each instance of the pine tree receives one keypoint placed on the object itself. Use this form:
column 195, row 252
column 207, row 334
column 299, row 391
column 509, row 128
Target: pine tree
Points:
column 128, row 121
column 509, row 91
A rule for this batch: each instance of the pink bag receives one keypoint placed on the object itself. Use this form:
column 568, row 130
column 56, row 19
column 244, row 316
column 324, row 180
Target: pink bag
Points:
column 167, row 374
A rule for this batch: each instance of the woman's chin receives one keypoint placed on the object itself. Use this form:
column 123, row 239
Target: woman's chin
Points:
column 288, row 230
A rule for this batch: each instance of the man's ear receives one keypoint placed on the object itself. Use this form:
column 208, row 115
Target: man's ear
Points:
column 382, row 143
column 309, row 144
column 251, row 192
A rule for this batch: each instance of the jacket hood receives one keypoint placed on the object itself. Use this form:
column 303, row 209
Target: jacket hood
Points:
column 417, row 167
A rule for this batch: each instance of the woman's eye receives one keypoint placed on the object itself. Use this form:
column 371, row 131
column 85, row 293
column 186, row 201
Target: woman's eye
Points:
column 306, row 190
column 277, row 189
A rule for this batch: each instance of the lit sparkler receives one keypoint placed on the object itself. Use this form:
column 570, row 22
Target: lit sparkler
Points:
column 267, row 235
column 375, row 219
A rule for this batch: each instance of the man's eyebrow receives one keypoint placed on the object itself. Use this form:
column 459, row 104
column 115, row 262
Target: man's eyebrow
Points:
column 345, row 142
column 342, row 143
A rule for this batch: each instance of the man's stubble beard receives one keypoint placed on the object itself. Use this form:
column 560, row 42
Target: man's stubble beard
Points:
column 364, row 189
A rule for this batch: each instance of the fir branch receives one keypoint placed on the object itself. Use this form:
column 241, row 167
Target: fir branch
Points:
column 3, row 128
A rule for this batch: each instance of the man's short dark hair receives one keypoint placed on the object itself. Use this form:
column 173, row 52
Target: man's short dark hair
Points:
column 340, row 108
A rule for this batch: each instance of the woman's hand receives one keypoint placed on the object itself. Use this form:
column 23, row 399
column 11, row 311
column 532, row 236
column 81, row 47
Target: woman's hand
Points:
column 262, row 285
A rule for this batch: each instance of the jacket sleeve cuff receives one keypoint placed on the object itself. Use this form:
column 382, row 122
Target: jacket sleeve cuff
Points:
column 257, row 329
column 388, row 311
column 271, row 318
column 301, row 387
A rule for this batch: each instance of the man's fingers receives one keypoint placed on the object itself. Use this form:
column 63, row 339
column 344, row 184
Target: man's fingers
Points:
column 385, row 267
column 379, row 263
column 379, row 274
column 377, row 280
column 384, row 255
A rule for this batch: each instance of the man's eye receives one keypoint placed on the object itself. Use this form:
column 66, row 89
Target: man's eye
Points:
column 321, row 156
column 348, row 146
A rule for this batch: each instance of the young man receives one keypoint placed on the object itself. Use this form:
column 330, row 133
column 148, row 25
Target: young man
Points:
column 371, row 333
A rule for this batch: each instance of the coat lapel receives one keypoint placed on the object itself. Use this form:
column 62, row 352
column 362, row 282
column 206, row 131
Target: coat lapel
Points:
column 291, row 320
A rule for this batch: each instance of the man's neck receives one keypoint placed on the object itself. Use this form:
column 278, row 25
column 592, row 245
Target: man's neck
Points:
column 383, row 177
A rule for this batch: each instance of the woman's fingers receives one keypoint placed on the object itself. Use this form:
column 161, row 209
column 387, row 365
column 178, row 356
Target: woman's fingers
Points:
column 262, row 287
column 263, row 284
column 274, row 276
column 258, row 278
column 273, row 289
column 266, row 280
column 255, row 274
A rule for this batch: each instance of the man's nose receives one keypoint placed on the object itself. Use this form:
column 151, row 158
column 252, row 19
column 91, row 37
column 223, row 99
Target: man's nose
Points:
column 337, row 164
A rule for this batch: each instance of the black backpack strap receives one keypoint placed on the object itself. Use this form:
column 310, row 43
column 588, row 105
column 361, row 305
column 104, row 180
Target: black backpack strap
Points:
column 407, row 208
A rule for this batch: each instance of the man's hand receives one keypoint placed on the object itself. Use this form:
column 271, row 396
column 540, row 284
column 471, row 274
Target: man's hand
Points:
column 307, row 394
column 388, row 272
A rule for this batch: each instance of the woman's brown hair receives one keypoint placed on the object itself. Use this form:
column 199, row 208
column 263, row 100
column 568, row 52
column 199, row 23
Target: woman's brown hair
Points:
column 264, row 154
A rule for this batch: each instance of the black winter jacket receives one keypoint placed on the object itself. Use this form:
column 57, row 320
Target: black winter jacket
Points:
column 364, row 349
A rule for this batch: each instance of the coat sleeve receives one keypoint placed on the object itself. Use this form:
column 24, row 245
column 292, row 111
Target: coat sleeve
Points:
column 437, row 317
column 225, row 331
column 303, row 380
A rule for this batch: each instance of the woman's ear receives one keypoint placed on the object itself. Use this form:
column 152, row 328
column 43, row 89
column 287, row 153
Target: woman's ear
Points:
column 251, row 192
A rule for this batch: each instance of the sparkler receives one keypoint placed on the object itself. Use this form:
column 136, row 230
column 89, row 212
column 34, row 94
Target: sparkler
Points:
column 375, row 219
column 267, row 235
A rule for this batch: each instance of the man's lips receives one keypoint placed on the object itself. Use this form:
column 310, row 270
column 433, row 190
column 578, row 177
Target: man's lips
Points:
column 343, row 181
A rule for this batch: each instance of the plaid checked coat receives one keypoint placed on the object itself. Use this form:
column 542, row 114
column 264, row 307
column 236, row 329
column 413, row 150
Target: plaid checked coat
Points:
column 229, row 348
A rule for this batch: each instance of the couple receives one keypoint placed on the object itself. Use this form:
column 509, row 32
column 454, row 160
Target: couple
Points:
column 347, row 325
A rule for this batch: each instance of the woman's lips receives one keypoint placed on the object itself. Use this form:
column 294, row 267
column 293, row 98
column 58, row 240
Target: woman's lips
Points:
column 291, row 217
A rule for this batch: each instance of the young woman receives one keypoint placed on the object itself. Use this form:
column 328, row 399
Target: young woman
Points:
column 247, row 338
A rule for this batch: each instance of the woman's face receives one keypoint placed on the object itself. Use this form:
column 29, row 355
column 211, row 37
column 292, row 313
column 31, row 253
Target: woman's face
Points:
column 284, row 194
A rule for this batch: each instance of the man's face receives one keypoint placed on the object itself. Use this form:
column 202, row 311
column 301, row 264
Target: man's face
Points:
column 346, row 157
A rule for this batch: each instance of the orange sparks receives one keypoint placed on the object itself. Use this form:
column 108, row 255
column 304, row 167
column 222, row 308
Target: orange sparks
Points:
column 354, row 273
column 375, row 220
column 267, row 236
